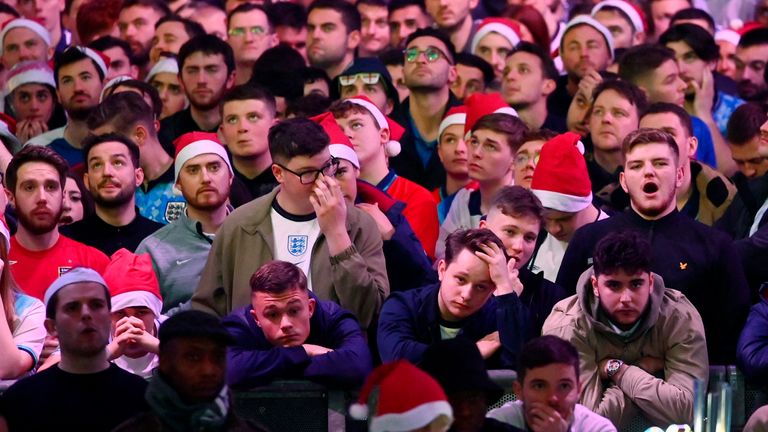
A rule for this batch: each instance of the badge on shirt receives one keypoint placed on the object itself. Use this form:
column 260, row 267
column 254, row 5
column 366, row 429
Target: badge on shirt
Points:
column 174, row 209
column 297, row 244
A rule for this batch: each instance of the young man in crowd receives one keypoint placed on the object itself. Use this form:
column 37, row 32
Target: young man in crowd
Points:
column 127, row 114
column 121, row 61
column 704, row 194
column 333, row 34
column 473, row 75
column 112, row 176
column 192, row 370
column 370, row 78
column 745, row 140
column 82, row 387
column 305, row 221
column 454, row 19
column 405, row 17
column 561, row 182
column 493, row 143
column 287, row 333
column 475, row 299
column 529, row 77
column 247, row 112
column 24, row 40
column 171, row 32
column 586, row 49
column 751, row 53
column 548, row 389
column 429, row 71
column 642, row 345
column 625, row 21
column 372, row 135
column 47, row 13
column 203, row 175
column 660, row 13
column 453, row 153
column 709, row 273
column 137, row 22
column 290, row 21
column 206, row 71
column 34, row 184
column 374, row 31
column 78, row 73
column 616, row 110
column 211, row 16
column 250, row 33
column 697, row 53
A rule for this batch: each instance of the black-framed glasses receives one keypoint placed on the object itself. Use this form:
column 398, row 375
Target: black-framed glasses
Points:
column 309, row 177
column 432, row 54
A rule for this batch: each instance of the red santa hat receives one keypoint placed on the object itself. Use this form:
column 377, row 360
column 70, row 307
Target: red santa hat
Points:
column 560, row 180
column 340, row 147
column 635, row 14
column 384, row 122
column 132, row 282
column 480, row 105
column 455, row 116
column 34, row 26
column 507, row 28
column 588, row 21
column 29, row 72
column 728, row 35
column 102, row 60
column 192, row 144
column 408, row 398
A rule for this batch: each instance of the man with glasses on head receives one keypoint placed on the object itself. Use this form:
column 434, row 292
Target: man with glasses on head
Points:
column 250, row 33
column 429, row 71
column 369, row 77
column 305, row 221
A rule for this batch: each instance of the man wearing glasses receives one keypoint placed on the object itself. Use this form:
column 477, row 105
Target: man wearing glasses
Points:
column 429, row 71
column 369, row 77
column 250, row 34
column 305, row 221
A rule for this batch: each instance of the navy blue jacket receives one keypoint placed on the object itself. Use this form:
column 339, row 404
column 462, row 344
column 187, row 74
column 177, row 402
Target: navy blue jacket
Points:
column 752, row 351
column 253, row 361
column 695, row 259
column 410, row 322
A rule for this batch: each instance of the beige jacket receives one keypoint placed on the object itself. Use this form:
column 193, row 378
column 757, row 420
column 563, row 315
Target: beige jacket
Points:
column 671, row 330
column 358, row 282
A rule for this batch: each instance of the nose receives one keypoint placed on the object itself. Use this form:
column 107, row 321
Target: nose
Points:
column 625, row 296
column 206, row 175
column 208, row 368
column 515, row 245
column 554, row 228
column 461, row 148
column 286, row 323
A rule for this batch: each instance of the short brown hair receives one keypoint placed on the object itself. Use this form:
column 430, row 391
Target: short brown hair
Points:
column 276, row 277
column 645, row 136
column 510, row 126
column 470, row 239
column 33, row 153
column 342, row 108
column 744, row 124
column 518, row 201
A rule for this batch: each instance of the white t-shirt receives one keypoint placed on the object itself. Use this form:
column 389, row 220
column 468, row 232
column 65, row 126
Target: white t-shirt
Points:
column 584, row 420
column 294, row 238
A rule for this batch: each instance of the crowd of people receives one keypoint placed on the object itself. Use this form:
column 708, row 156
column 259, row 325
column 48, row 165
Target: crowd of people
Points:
column 390, row 196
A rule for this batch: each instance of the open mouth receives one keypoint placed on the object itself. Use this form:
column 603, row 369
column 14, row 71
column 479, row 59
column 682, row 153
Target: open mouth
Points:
column 650, row 188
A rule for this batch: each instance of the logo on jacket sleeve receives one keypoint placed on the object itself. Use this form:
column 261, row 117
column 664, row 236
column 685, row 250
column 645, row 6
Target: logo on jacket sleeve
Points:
column 297, row 244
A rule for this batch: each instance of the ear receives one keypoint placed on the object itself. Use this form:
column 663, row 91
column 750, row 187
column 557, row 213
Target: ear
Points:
column 58, row 94
column 353, row 39
column 517, row 388
column 390, row 106
column 595, row 291
column 638, row 38
column 678, row 177
column 277, row 171
column 156, row 123
column 693, row 145
column 140, row 135
column 273, row 40
column 311, row 304
column 473, row 4
column 452, row 74
column 255, row 318
column 441, row 267
column 51, row 51
column 384, row 136
column 11, row 200
column 231, row 80
column 483, row 224
column 134, row 72
column 623, row 182
column 50, row 327
column 650, row 282
column 548, row 87
column 139, row 174
column 87, row 181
